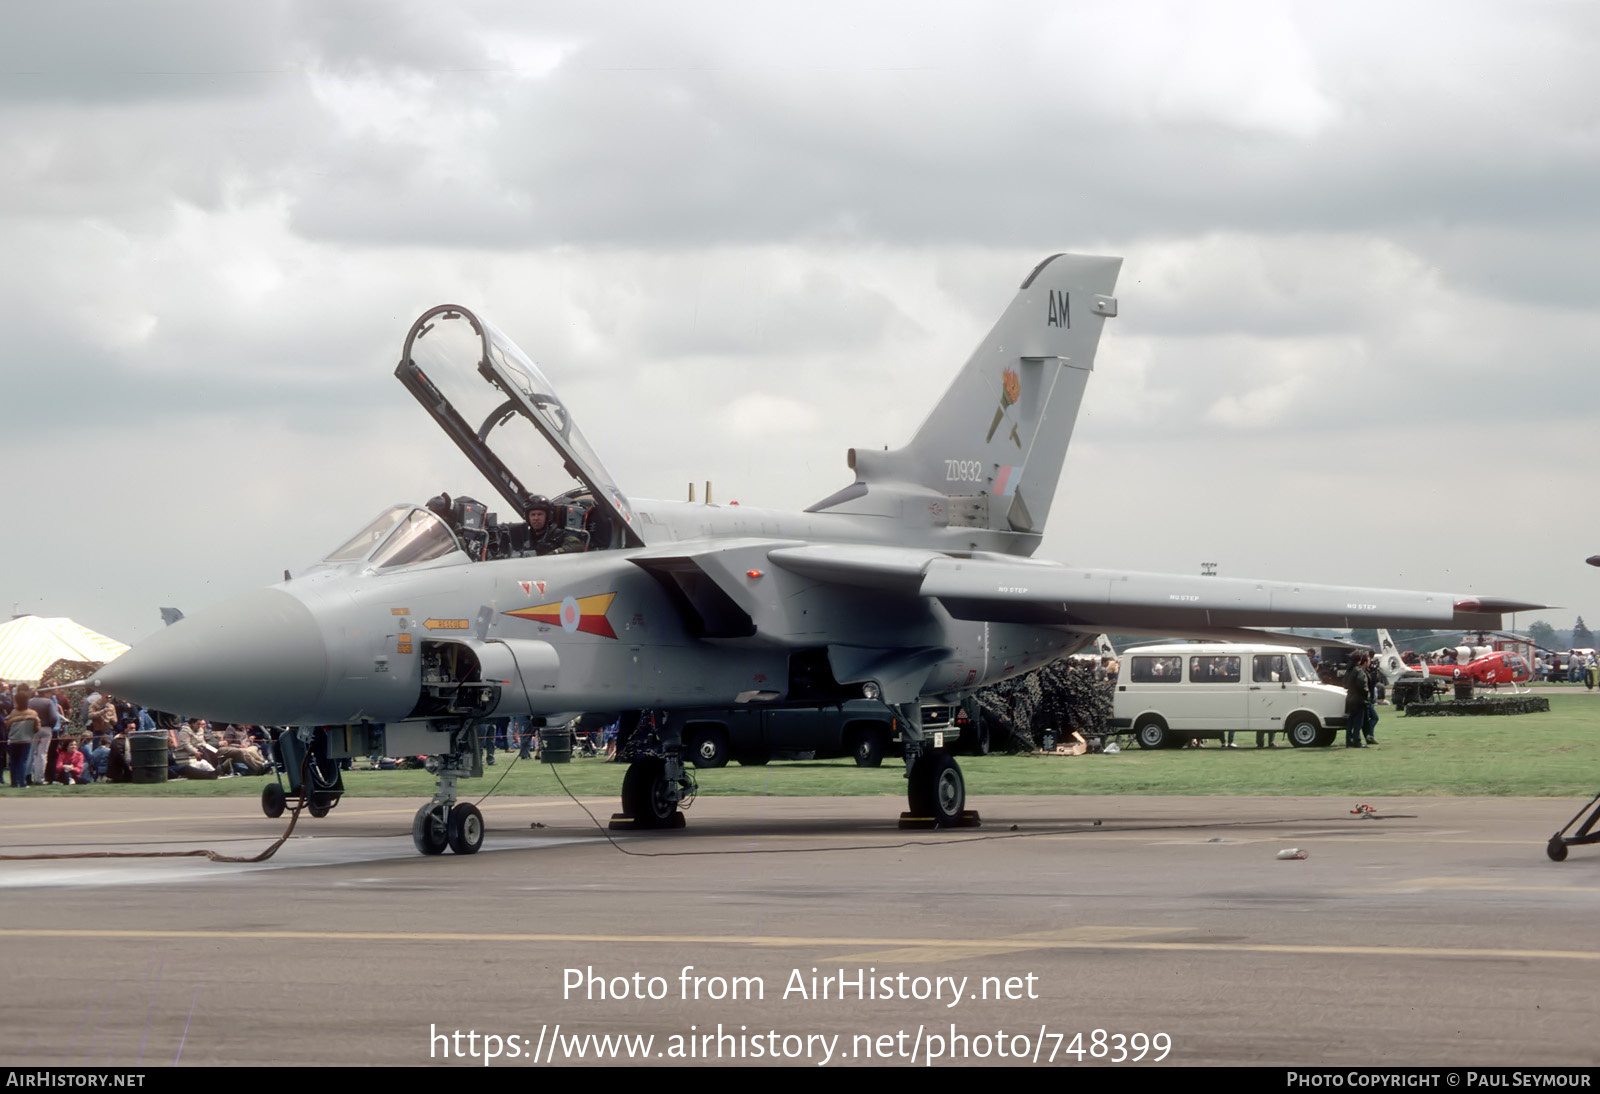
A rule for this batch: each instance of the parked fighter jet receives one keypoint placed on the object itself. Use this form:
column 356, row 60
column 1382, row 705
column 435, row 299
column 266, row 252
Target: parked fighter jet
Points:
column 914, row 582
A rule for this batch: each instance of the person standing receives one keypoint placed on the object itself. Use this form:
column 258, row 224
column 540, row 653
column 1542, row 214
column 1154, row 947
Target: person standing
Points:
column 1358, row 696
column 22, row 725
column 50, row 721
column 1374, row 688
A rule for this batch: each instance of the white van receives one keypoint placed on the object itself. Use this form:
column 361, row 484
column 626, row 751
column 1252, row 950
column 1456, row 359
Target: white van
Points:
column 1170, row 694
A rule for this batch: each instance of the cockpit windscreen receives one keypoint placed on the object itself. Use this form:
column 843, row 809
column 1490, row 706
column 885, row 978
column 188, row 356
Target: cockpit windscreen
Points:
column 360, row 545
column 420, row 537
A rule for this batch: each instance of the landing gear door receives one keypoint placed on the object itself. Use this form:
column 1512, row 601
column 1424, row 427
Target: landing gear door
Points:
column 505, row 415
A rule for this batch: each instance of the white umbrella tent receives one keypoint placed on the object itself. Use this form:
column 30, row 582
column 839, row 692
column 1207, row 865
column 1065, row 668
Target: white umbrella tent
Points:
column 30, row 644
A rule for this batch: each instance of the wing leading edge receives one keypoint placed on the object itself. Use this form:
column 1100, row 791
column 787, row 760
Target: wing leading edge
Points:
column 1094, row 600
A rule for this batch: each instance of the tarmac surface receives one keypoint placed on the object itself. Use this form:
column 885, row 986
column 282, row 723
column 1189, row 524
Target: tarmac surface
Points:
column 1437, row 933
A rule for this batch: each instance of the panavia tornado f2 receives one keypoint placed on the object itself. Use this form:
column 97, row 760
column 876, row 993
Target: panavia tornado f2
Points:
column 912, row 584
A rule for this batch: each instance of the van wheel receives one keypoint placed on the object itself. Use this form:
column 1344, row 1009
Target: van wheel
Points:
column 1304, row 732
column 1152, row 733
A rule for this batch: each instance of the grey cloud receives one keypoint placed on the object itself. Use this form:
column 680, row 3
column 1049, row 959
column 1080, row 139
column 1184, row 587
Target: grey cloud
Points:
column 108, row 51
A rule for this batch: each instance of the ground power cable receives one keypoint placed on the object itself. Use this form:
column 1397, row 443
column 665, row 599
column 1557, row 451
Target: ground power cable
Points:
column 199, row 852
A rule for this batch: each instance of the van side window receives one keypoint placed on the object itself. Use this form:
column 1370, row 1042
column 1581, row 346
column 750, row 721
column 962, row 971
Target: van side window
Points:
column 1156, row 670
column 1214, row 670
column 1270, row 669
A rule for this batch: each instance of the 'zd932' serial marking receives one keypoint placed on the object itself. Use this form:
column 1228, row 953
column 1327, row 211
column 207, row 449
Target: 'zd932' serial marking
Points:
column 963, row 470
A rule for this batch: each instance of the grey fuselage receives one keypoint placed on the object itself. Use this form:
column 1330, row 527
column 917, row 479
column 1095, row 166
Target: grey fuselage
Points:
column 345, row 643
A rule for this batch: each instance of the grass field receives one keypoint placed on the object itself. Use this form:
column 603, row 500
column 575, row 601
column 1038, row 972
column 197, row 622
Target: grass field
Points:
column 1556, row 754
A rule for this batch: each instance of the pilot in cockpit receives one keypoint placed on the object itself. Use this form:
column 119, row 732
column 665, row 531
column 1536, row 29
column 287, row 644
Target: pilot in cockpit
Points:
column 548, row 531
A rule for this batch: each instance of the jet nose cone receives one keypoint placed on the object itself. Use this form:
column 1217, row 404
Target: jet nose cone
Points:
column 256, row 659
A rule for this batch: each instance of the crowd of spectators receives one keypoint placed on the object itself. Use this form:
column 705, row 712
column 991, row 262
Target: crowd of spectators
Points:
column 1573, row 667
column 49, row 740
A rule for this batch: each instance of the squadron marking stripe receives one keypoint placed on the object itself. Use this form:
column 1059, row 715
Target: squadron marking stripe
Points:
column 1006, row 945
column 586, row 614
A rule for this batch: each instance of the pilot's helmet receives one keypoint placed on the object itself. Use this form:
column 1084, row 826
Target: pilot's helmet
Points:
column 538, row 503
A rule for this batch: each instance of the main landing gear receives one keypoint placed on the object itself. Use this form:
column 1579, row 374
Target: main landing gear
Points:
column 658, row 785
column 936, row 793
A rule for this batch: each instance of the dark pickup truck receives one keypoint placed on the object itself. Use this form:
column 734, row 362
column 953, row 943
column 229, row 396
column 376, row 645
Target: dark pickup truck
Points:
column 861, row 728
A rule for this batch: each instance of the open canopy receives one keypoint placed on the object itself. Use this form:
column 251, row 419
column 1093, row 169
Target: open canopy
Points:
column 505, row 415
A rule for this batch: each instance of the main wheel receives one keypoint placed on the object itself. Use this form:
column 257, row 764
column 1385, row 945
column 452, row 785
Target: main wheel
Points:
column 464, row 829
column 273, row 800
column 645, row 793
column 708, row 747
column 429, row 830
column 870, row 746
column 1556, row 849
column 1303, row 731
column 936, row 789
column 1152, row 732
column 980, row 739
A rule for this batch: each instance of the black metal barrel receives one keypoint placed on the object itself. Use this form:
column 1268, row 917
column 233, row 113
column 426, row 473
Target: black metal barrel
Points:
column 149, row 757
column 555, row 746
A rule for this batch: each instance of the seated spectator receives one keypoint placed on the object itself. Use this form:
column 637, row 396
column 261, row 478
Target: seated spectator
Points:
column 69, row 764
column 119, row 758
column 265, row 742
column 186, row 760
column 95, row 759
column 235, row 754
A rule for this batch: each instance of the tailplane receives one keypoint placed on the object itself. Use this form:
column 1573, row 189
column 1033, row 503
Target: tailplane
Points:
column 993, row 447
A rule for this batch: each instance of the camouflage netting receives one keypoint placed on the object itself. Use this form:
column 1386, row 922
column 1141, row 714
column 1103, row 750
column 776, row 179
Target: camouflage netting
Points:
column 1482, row 704
column 69, row 699
column 1062, row 696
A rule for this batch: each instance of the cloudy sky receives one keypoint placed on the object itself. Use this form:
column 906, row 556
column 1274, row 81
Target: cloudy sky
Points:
column 1358, row 329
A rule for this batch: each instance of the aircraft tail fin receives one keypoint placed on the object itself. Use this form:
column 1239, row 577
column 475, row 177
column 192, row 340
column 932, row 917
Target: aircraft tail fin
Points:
column 1390, row 664
column 994, row 445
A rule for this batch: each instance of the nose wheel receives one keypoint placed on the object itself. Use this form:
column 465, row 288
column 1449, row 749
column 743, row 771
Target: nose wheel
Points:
column 464, row 829
column 437, row 826
column 430, row 829
column 445, row 822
